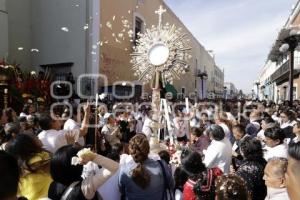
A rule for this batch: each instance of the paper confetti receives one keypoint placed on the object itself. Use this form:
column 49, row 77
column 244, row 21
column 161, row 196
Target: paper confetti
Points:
column 65, row 29
column 109, row 25
column 34, row 50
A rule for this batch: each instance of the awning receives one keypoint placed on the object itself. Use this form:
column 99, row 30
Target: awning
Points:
column 170, row 88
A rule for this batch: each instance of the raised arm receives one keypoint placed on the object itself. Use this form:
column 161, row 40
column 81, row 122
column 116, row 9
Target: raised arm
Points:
column 91, row 184
column 85, row 121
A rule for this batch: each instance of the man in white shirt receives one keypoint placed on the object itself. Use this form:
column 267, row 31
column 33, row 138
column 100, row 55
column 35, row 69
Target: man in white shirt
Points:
column 148, row 129
column 275, row 180
column 72, row 124
column 139, row 124
column 181, row 127
column 52, row 137
column 218, row 153
column 102, row 111
column 276, row 147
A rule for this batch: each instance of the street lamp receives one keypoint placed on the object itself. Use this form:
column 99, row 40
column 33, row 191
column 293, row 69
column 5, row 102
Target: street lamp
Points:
column 225, row 92
column 284, row 92
column 263, row 91
column 196, row 96
column 203, row 76
column 290, row 44
column 257, row 83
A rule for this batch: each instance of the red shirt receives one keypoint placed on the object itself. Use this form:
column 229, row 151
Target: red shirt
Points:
column 208, row 189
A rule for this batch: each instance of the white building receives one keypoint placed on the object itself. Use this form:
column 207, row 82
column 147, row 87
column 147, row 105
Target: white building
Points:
column 59, row 34
column 230, row 91
column 274, row 77
column 4, row 29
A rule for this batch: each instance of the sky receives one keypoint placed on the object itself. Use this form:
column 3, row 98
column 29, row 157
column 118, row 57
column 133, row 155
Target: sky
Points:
column 240, row 32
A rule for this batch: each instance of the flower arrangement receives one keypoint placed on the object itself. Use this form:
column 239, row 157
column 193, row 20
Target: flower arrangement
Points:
column 24, row 85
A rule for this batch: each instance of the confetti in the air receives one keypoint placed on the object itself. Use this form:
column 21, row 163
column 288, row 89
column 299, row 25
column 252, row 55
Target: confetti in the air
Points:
column 86, row 27
column 20, row 48
column 130, row 33
column 114, row 17
column 125, row 21
column 109, row 25
column 94, row 46
column 34, row 50
column 65, row 29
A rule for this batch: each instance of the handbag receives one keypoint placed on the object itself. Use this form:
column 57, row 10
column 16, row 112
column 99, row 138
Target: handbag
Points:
column 168, row 193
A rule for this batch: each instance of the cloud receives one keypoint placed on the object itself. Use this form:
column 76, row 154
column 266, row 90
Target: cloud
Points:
column 240, row 33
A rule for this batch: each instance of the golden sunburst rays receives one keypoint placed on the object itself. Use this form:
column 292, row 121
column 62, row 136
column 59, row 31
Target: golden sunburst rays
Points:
column 177, row 61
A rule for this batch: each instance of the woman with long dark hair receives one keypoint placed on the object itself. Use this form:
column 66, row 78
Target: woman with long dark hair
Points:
column 68, row 177
column 252, row 169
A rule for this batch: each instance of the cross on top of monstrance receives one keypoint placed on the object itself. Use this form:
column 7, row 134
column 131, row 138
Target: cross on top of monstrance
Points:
column 160, row 12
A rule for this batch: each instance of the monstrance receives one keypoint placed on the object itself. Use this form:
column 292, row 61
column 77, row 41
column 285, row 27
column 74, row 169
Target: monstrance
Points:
column 161, row 54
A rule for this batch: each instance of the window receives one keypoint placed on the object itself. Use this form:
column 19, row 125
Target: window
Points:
column 138, row 27
column 183, row 90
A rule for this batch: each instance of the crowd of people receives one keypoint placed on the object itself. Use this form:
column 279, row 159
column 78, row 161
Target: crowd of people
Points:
column 203, row 152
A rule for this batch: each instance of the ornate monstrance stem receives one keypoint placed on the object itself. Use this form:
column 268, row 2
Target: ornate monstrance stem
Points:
column 156, row 98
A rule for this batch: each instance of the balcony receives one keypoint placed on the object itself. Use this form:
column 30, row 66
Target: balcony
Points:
column 282, row 73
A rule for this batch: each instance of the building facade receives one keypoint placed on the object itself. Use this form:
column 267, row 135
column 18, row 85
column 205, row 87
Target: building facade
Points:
column 140, row 15
column 273, row 80
column 57, row 34
column 4, row 28
column 94, row 37
column 230, row 91
column 218, row 83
